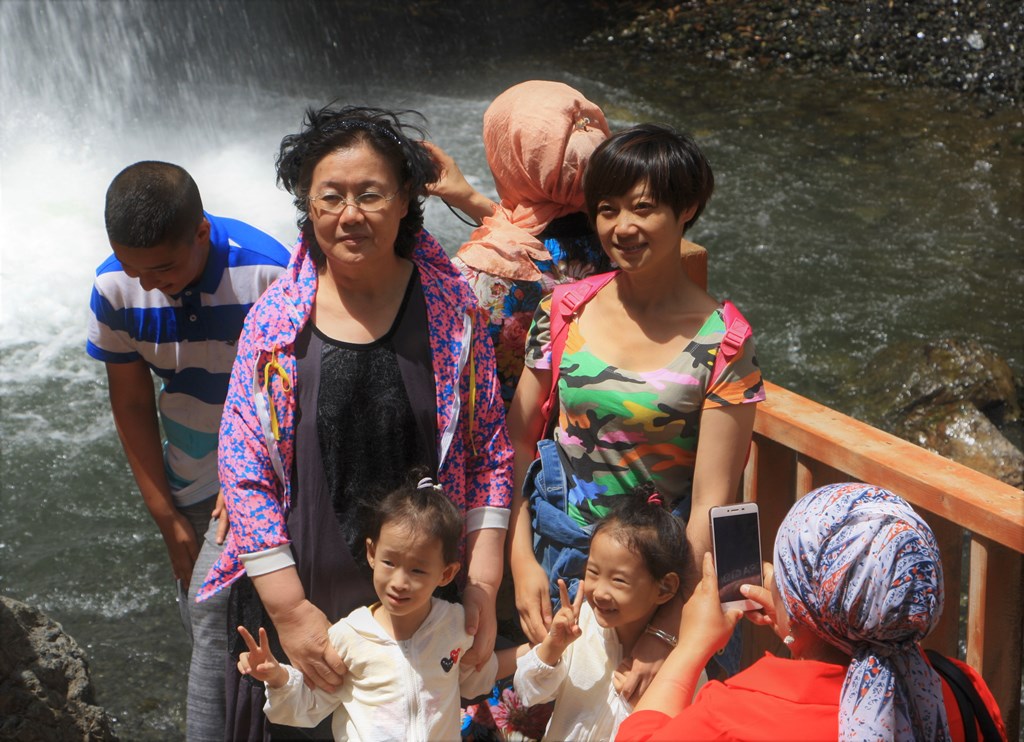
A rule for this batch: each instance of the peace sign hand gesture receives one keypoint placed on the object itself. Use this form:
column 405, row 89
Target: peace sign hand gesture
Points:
column 259, row 661
column 565, row 626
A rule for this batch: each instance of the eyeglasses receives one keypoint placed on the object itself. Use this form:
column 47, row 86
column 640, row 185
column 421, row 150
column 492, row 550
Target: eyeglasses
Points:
column 334, row 204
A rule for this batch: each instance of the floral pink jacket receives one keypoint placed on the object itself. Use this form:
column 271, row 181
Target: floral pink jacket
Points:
column 257, row 433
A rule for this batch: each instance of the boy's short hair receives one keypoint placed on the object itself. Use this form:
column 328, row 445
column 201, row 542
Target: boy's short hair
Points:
column 151, row 203
column 422, row 508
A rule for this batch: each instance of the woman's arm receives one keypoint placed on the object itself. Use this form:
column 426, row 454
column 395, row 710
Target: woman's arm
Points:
column 703, row 630
column 638, row 670
column 488, row 464
column 254, row 496
column 301, row 627
column 253, row 493
column 525, row 425
column 484, row 571
column 488, row 491
column 453, row 188
column 721, row 455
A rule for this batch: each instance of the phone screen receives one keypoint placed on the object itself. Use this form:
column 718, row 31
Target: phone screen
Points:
column 737, row 554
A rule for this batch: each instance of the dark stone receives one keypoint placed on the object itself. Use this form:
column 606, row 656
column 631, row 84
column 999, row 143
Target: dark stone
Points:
column 951, row 396
column 45, row 690
column 947, row 371
column 959, row 431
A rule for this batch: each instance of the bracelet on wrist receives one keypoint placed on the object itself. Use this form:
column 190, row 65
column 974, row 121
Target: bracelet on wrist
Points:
column 664, row 636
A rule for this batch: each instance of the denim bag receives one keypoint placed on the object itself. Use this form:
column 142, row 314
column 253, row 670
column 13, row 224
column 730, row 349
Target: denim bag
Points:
column 559, row 543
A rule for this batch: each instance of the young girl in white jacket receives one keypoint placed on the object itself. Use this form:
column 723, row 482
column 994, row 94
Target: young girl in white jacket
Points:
column 639, row 559
column 405, row 675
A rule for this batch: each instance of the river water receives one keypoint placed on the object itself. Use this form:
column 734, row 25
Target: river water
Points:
column 847, row 216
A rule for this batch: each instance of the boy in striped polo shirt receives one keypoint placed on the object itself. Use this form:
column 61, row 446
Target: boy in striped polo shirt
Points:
column 171, row 300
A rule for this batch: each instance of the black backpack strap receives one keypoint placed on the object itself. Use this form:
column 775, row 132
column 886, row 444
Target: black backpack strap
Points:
column 972, row 708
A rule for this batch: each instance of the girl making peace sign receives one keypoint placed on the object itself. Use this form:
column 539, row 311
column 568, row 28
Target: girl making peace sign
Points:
column 639, row 559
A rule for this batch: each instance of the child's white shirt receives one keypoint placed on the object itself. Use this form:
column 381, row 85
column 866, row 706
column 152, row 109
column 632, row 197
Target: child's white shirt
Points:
column 588, row 706
column 396, row 690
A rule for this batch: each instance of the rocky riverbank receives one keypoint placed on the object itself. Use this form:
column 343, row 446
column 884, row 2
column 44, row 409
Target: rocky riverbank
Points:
column 45, row 689
column 970, row 46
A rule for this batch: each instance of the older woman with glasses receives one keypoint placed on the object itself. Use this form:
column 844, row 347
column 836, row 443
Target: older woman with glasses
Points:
column 366, row 359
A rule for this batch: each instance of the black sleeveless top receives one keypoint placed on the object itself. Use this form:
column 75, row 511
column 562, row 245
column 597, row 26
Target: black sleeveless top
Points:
column 366, row 414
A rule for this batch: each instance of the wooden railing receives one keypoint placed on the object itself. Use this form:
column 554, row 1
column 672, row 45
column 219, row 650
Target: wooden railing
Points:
column 979, row 522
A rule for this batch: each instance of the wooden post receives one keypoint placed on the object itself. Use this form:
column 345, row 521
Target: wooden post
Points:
column 695, row 263
column 771, row 483
column 950, row 537
column 1001, row 612
column 949, row 495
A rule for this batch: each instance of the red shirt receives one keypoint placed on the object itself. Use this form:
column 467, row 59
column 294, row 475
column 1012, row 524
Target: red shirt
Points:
column 774, row 699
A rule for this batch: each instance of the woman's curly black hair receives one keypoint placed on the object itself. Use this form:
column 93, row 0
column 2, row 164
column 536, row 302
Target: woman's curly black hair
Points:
column 331, row 129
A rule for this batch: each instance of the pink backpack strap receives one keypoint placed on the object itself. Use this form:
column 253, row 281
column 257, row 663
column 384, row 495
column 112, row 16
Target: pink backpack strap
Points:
column 737, row 330
column 566, row 300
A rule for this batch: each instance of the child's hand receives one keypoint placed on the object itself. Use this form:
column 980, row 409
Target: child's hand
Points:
column 565, row 626
column 259, row 661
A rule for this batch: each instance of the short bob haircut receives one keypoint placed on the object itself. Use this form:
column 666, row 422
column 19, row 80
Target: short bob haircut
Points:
column 420, row 507
column 329, row 130
column 641, row 522
column 152, row 203
column 671, row 164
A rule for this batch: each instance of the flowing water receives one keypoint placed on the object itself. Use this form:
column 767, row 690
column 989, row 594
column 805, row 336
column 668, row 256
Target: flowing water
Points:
column 847, row 216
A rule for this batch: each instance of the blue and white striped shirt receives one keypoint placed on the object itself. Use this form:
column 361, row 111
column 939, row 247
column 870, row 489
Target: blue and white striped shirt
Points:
column 188, row 341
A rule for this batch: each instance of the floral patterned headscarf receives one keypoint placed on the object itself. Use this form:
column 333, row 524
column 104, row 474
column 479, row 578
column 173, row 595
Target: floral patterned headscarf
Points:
column 539, row 136
column 861, row 570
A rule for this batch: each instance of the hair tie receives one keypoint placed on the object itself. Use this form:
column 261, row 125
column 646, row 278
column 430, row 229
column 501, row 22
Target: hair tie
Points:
column 427, row 483
column 655, row 499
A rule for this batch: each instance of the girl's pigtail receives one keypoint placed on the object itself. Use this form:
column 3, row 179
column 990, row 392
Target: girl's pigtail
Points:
column 426, row 483
column 648, row 493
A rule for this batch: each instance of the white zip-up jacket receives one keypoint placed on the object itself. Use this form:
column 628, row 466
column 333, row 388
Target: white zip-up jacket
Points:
column 587, row 706
column 394, row 690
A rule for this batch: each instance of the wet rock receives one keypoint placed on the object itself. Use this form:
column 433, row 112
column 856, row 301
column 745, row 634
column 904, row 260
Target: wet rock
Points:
column 905, row 377
column 952, row 396
column 959, row 431
column 45, row 690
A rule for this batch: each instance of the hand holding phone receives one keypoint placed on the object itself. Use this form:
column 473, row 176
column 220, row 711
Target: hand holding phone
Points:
column 736, row 546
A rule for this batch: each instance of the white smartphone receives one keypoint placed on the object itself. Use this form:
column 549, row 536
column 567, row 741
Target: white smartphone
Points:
column 736, row 546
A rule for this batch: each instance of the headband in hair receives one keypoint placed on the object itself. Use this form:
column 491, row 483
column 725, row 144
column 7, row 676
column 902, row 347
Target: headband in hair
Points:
column 347, row 124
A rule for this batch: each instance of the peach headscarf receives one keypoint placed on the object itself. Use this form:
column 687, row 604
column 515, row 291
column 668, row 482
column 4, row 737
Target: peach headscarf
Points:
column 539, row 136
